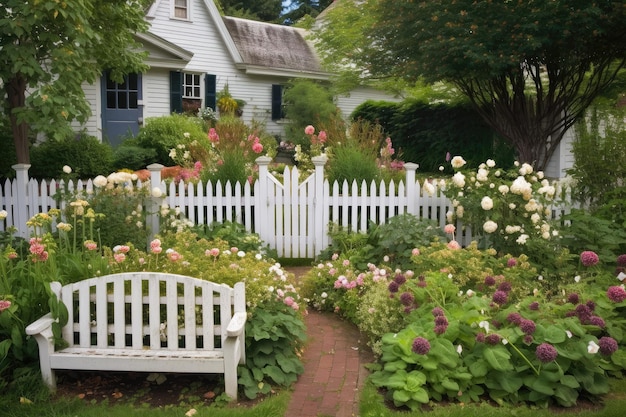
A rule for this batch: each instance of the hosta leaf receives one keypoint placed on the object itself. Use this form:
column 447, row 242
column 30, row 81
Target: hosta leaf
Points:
column 539, row 384
column 479, row 368
column 498, row 358
column 569, row 381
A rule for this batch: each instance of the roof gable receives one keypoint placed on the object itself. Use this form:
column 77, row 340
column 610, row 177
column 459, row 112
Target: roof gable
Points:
column 273, row 47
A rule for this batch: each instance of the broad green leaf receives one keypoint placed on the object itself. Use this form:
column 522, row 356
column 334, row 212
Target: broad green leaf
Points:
column 498, row 358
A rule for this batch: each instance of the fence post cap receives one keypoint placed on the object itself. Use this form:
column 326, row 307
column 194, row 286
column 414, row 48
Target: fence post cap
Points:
column 319, row 160
column 20, row 166
column 263, row 160
column 411, row 166
column 155, row 167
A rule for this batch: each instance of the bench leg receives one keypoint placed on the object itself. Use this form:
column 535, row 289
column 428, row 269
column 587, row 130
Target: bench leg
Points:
column 46, row 346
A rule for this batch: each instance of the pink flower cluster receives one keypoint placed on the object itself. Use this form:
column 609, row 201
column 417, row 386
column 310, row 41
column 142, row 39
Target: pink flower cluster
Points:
column 318, row 139
column 343, row 282
column 155, row 246
column 4, row 304
column 38, row 250
column 257, row 147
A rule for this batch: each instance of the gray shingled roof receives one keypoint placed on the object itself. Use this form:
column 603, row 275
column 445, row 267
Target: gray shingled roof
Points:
column 273, row 46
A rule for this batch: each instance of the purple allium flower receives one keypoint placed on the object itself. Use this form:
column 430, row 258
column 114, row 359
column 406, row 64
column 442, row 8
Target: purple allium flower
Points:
column 573, row 298
column 441, row 321
column 440, row 329
column 393, row 287
column 489, row 280
column 399, row 279
column 608, row 345
column 528, row 339
column 500, row 297
column 616, row 293
column 597, row 321
column 591, row 305
column 505, row 286
column 527, row 326
column 408, row 309
column 407, row 298
column 422, row 284
column 421, row 278
column 514, row 318
column 493, row 339
column 421, row 346
column 480, row 337
column 621, row 260
column 534, row 306
column 546, row 353
column 438, row 311
column 511, row 262
column 589, row 258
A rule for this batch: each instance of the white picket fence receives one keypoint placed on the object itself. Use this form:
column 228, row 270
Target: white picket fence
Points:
column 291, row 216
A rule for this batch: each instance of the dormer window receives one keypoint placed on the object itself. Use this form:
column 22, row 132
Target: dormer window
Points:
column 181, row 9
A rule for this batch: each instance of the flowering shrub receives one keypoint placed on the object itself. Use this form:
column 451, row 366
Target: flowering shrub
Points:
column 506, row 210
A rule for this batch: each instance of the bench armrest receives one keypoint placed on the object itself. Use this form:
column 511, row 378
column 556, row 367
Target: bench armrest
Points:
column 237, row 324
column 40, row 325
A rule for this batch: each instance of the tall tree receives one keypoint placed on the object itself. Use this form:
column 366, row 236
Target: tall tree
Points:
column 50, row 47
column 263, row 10
column 530, row 68
column 297, row 9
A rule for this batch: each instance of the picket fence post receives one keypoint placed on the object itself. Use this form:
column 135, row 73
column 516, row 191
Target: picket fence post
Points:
column 320, row 213
column 156, row 199
column 412, row 196
column 20, row 193
column 261, row 205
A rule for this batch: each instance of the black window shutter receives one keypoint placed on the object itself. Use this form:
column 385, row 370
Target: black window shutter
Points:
column 277, row 102
column 210, row 91
column 176, row 92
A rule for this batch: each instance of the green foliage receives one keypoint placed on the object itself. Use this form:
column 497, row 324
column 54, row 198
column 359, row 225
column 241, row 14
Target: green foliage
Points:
column 307, row 102
column 84, row 154
column 424, row 133
column 274, row 337
column 132, row 157
column 599, row 168
column 392, row 242
column 350, row 164
column 236, row 235
column 162, row 134
column 584, row 231
column 66, row 45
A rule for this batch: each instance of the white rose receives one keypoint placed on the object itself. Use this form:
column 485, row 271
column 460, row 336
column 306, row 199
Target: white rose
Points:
column 67, row 169
column 100, row 181
column 491, row 163
column 486, row 203
column 521, row 240
column 490, row 226
column 459, row 180
column 457, row 162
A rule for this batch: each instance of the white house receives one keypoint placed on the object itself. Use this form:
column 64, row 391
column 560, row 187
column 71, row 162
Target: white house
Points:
column 194, row 52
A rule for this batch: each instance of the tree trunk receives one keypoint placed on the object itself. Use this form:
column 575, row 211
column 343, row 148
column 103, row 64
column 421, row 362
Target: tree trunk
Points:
column 16, row 94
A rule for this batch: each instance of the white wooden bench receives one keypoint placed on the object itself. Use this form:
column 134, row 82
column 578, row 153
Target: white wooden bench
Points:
column 147, row 322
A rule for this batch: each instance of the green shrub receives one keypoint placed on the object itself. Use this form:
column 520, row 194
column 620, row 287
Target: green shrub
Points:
column 163, row 134
column 133, row 157
column 86, row 155
column 425, row 133
column 350, row 163
column 309, row 103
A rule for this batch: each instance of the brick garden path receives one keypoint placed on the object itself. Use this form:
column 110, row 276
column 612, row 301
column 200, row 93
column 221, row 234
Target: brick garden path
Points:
column 334, row 367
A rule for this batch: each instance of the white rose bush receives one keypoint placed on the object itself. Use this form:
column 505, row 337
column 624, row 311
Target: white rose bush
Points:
column 508, row 210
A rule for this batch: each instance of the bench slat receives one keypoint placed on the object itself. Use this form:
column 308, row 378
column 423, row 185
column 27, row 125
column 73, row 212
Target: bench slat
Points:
column 84, row 313
column 190, row 316
column 136, row 312
column 155, row 313
column 119, row 313
column 101, row 314
column 208, row 330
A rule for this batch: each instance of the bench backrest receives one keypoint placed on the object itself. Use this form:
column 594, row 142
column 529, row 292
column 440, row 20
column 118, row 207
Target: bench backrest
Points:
column 148, row 310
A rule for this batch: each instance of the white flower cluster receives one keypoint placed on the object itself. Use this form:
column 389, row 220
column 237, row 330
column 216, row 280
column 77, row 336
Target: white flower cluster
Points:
column 514, row 206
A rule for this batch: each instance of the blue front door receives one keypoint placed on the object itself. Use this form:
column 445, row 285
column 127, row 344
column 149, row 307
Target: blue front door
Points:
column 122, row 112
